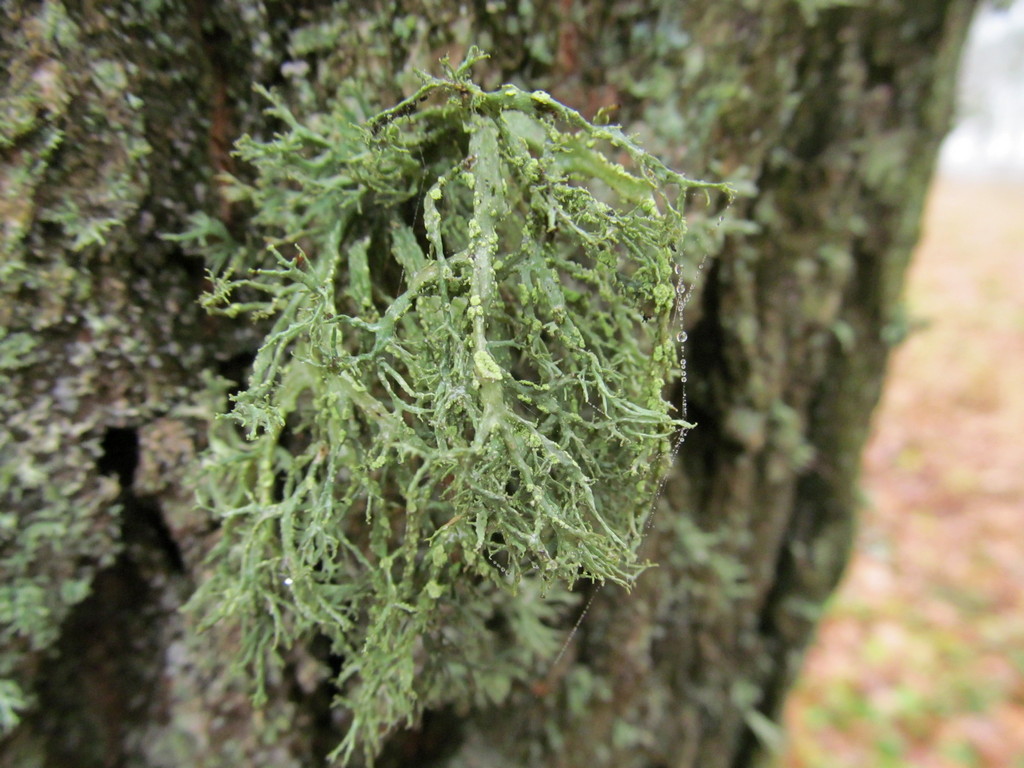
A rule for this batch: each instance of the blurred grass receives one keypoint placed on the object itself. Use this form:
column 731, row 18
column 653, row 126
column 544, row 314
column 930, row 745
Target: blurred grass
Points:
column 920, row 661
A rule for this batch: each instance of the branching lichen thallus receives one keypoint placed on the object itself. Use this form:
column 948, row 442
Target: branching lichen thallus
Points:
column 457, row 404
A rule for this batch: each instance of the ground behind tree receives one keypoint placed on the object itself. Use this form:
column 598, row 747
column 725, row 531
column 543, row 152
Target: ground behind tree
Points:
column 920, row 661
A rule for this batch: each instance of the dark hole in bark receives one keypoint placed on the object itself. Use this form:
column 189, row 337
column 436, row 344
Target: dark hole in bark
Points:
column 142, row 518
column 236, row 370
column 436, row 738
column 120, row 455
column 104, row 681
column 143, row 522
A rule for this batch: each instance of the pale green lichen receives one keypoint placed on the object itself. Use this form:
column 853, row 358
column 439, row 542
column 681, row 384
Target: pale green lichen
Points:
column 422, row 429
column 486, row 367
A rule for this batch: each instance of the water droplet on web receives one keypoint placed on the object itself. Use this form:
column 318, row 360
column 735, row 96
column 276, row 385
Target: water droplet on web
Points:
column 684, row 293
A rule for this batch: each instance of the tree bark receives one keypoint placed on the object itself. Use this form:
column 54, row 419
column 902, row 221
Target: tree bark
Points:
column 117, row 119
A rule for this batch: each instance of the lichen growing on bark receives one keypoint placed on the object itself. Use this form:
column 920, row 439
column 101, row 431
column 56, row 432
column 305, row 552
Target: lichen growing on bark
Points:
column 471, row 303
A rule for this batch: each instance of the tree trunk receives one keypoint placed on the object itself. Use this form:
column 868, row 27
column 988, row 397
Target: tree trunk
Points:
column 117, row 120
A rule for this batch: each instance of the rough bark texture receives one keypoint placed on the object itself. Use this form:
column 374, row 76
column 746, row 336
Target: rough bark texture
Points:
column 117, row 118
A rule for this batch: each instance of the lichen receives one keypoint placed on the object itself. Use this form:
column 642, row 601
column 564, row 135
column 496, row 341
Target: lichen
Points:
column 458, row 395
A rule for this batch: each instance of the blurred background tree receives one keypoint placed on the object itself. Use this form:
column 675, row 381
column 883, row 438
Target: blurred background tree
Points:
column 119, row 119
column 918, row 661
